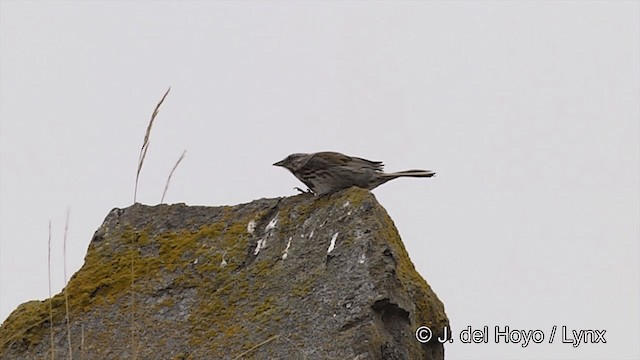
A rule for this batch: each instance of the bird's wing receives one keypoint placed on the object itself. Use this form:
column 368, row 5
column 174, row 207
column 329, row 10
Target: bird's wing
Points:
column 327, row 159
column 374, row 165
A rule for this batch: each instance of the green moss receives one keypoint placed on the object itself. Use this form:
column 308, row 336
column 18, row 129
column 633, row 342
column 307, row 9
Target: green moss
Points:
column 431, row 311
column 30, row 315
column 106, row 274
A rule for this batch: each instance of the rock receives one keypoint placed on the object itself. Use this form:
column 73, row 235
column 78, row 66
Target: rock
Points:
column 291, row 278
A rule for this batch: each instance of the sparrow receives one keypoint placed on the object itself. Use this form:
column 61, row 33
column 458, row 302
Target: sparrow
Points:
column 327, row 172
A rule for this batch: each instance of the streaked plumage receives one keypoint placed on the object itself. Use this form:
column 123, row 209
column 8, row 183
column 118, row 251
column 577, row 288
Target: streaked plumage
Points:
column 328, row 172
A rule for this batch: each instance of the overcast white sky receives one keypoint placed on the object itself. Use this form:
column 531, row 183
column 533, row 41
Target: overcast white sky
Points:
column 528, row 111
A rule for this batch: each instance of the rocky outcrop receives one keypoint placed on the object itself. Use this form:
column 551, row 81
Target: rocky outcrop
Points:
column 291, row 278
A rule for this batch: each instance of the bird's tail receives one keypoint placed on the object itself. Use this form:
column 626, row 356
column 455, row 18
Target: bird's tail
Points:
column 382, row 178
column 411, row 173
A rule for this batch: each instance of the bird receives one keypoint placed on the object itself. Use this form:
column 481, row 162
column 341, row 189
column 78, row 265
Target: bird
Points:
column 327, row 172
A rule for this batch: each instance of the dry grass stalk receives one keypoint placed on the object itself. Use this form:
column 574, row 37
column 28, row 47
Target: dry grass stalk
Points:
column 141, row 157
column 133, row 314
column 145, row 143
column 66, row 296
column 299, row 348
column 274, row 337
column 50, row 298
column 82, row 341
column 257, row 346
column 166, row 186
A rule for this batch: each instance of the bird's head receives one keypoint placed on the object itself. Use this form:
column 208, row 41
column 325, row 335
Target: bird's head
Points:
column 293, row 162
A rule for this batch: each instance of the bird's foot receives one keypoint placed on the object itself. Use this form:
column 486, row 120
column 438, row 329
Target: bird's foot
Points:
column 308, row 191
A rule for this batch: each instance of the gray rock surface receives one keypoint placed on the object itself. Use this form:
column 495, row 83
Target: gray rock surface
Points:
column 291, row 278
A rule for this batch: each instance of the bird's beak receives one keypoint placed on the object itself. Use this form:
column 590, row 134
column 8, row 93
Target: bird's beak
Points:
column 279, row 163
